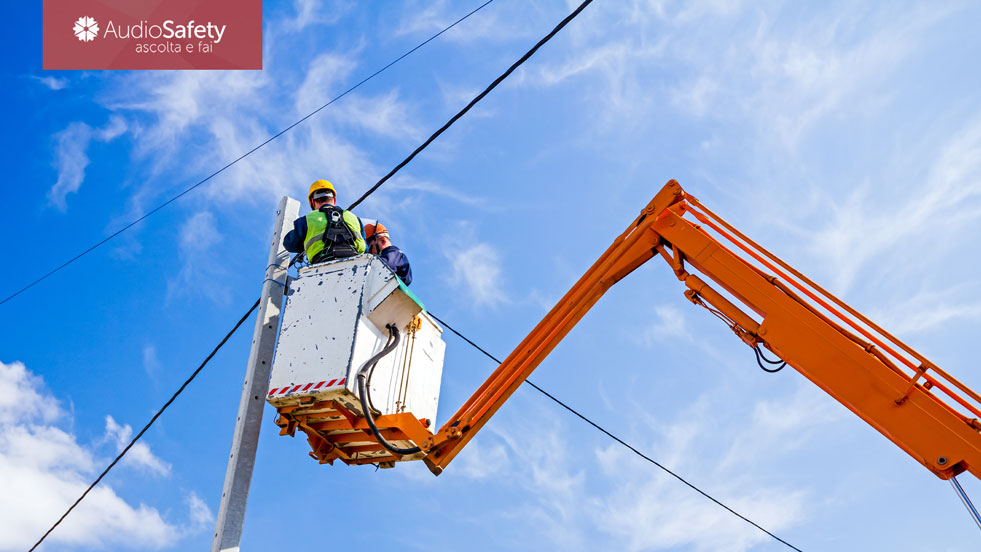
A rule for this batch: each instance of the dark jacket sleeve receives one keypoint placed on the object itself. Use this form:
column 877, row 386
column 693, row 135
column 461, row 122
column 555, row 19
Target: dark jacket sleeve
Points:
column 396, row 260
column 293, row 242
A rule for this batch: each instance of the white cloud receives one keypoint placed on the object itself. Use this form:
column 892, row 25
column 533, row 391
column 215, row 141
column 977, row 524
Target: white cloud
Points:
column 858, row 229
column 487, row 25
column 320, row 83
column 697, row 96
column 456, row 96
column 71, row 157
column 53, row 83
column 670, row 324
column 720, row 61
column 383, row 115
column 482, row 459
column 183, row 109
column 475, row 268
column 22, row 396
column 151, row 362
column 192, row 123
column 409, row 183
column 70, row 160
column 605, row 73
column 114, row 128
column 199, row 233
column 629, row 504
column 927, row 311
column 43, row 470
column 199, row 272
column 313, row 12
column 555, row 489
column 201, row 518
column 139, row 455
column 782, row 425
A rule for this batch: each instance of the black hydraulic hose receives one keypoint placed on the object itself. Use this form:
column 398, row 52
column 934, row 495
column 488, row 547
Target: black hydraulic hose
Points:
column 363, row 375
column 760, row 356
column 391, row 342
column 368, row 369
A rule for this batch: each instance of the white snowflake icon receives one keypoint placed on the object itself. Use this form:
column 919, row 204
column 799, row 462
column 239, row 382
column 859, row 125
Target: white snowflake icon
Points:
column 86, row 29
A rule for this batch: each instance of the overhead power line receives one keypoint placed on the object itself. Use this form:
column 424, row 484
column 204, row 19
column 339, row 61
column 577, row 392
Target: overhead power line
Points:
column 150, row 423
column 619, row 440
column 453, row 119
column 241, row 157
column 474, row 101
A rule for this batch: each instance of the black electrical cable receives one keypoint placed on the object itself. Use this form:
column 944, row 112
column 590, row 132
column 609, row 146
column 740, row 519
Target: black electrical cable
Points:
column 364, row 374
column 619, row 440
column 241, row 157
column 150, row 423
column 473, row 102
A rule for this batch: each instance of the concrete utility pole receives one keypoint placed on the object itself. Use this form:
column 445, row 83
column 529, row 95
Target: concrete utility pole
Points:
column 238, row 477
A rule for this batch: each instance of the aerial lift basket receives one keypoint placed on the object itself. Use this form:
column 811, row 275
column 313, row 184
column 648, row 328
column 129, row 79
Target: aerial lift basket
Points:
column 337, row 318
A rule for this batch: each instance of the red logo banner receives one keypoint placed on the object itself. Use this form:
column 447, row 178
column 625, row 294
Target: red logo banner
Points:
column 152, row 34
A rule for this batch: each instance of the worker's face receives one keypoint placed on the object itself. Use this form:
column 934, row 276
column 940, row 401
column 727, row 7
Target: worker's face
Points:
column 379, row 243
column 320, row 202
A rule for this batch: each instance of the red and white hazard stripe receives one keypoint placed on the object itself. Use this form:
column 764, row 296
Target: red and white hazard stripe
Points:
column 290, row 389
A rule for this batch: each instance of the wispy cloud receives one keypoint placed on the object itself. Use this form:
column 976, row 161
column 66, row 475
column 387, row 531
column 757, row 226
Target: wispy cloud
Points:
column 384, row 115
column 482, row 459
column 71, row 160
column 927, row 311
column 43, row 469
column 192, row 123
column 627, row 503
column 71, row 155
column 322, row 80
column 199, row 273
column 494, row 24
column 201, row 518
column 475, row 267
column 782, row 78
column 670, row 324
column 784, row 423
column 312, row 12
column 139, row 455
column 151, row 362
column 53, row 83
column 859, row 230
column 409, row 183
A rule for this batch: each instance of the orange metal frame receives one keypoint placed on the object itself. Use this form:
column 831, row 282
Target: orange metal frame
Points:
column 911, row 401
column 334, row 432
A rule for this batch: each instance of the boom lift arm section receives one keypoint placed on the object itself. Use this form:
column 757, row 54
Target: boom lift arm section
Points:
column 915, row 404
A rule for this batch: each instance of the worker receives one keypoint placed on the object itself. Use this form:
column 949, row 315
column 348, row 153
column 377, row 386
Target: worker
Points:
column 327, row 232
column 379, row 243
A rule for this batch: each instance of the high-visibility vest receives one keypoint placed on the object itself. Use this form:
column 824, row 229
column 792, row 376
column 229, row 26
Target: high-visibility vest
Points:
column 332, row 233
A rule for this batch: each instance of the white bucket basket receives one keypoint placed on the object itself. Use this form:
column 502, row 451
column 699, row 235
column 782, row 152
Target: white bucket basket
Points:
column 334, row 321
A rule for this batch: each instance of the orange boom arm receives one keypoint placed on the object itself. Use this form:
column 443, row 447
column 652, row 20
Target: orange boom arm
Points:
column 915, row 404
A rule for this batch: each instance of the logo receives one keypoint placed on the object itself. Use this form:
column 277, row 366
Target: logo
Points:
column 86, row 29
column 151, row 34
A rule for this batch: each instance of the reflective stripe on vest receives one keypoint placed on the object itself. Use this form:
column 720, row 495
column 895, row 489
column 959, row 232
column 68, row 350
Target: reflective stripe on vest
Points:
column 316, row 226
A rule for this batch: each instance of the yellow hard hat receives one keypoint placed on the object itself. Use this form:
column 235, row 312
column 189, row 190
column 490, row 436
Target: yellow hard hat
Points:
column 320, row 185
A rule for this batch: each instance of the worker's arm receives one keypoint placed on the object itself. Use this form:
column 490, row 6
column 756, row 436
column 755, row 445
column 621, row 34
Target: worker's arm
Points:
column 398, row 262
column 293, row 242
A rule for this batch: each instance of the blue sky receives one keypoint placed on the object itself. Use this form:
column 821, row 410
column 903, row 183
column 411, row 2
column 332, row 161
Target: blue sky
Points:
column 844, row 138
